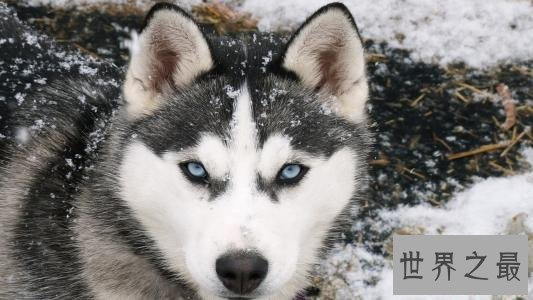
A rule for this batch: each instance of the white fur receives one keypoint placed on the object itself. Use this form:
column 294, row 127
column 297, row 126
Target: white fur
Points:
column 276, row 152
column 214, row 156
column 192, row 232
column 320, row 35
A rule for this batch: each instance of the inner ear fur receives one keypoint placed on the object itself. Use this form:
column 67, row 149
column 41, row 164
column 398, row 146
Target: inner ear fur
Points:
column 327, row 55
column 170, row 52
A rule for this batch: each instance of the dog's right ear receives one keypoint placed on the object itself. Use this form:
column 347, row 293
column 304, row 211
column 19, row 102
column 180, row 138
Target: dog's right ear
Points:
column 170, row 52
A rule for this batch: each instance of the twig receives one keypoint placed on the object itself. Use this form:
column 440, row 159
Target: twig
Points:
column 82, row 49
column 461, row 97
column 482, row 149
column 224, row 18
column 415, row 102
column 496, row 122
column 376, row 57
column 474, row 89
column 380, row 162
column 521, row 135
column 412, row 171
column 435, row 202
column 508, row 106
column 436, row 138
column 498, row 167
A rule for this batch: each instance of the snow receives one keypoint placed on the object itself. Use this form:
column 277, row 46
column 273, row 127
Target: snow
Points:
column 20, row 98
column 22, row 135
column 86, row 70
column 232, row 93
column 132, row 44
column 145, row 4
column 490, row 207
column 478, row 32
column 31, row 40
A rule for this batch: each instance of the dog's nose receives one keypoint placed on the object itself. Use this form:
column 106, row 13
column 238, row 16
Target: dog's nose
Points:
column 241, row 272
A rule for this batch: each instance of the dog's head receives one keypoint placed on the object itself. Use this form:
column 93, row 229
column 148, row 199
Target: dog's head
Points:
column 243, row 155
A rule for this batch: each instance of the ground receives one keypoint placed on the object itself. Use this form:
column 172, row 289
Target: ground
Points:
column 442, row 161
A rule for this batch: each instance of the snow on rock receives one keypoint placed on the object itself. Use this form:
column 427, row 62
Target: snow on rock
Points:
column 491, row 206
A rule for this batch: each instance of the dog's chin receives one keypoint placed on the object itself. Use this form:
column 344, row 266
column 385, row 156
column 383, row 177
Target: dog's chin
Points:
column 223, row 295
column 232, row 296
column 241, row 297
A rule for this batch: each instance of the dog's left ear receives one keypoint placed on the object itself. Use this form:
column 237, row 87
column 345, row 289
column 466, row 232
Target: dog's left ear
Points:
column 170, row 52
column 327, row 55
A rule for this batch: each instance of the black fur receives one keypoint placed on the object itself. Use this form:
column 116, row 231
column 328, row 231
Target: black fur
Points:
column 44, row 244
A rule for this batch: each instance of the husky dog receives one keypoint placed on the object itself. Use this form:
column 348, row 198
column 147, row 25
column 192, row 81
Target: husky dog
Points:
column 231, row 165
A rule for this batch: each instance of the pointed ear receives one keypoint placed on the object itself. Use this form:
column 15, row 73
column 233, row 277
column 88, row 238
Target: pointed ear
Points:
column 170, row 52
column 326, row 54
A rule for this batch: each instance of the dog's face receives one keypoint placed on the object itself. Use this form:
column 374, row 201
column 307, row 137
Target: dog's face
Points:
column 239, row 171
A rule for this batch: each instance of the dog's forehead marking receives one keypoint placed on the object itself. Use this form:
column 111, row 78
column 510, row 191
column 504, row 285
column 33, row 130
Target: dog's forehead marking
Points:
column 240, row 157
column 243, row 144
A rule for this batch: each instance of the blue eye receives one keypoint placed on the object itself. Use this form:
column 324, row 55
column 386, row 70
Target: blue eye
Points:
column 291, row 173
column 195, row 171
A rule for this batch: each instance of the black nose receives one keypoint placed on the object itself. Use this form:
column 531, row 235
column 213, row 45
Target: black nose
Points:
column 241, row 272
